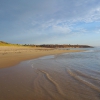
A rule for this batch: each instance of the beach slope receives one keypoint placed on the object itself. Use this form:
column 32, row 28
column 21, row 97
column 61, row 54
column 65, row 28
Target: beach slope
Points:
column 12, row 55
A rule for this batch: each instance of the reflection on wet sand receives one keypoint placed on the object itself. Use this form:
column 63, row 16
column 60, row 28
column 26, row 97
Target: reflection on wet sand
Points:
column 50, row 80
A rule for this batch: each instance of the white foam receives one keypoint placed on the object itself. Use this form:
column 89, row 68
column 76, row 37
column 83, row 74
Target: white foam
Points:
column 89, row 51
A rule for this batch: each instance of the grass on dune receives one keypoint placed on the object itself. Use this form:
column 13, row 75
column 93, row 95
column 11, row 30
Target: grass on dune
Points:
column 8, row 44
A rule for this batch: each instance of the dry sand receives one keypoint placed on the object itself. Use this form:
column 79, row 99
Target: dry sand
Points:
column 12, row 55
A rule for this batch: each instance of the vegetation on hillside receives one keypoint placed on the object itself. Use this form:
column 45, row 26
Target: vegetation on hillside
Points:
column 59, row 46
column 2, row 43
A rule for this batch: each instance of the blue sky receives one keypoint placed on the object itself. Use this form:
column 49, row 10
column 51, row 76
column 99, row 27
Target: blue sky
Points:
column 50, row 21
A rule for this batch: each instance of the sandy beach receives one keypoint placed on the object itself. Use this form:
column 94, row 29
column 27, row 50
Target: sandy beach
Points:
column 56, row 77
column 12, row 55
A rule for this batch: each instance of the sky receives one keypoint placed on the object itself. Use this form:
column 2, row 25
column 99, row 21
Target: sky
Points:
column 50, row 21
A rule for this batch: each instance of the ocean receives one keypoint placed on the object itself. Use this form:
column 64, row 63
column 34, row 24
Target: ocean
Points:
column 68, row 76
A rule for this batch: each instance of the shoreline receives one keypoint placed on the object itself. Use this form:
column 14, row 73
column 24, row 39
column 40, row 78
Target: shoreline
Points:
column 13, row 55
column 63, row 77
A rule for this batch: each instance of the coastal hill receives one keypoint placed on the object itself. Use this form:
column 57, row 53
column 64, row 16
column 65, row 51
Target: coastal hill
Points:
column 66, row 46
column 2, row 43
column 59, row 46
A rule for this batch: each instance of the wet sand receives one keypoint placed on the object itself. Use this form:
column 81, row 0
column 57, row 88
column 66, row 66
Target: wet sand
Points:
column 36, row 80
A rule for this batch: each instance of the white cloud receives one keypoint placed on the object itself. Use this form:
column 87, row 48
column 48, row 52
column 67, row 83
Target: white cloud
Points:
column 97, row 31
column 61, row 29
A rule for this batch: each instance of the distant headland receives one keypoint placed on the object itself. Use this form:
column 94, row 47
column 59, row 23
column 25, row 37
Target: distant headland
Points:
column 2, row 43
